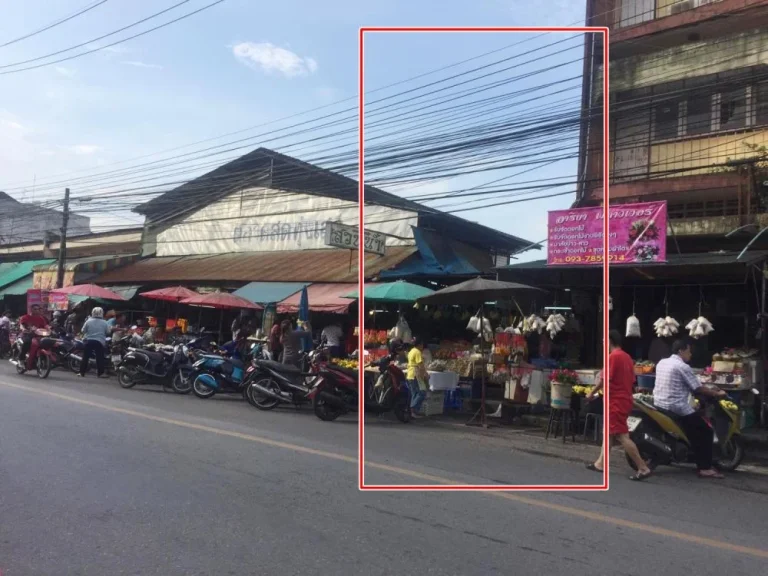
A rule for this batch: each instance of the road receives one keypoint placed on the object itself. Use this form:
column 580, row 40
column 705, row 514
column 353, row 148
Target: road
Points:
column 98, row 480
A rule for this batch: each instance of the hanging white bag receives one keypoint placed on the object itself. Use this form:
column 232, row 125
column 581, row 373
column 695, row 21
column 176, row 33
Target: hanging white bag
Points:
column 633, row 327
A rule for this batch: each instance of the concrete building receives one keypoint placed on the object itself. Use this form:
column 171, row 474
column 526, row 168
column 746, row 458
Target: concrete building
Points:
column 23, row 222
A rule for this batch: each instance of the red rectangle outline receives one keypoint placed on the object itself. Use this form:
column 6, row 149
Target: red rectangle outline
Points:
column 361, row 263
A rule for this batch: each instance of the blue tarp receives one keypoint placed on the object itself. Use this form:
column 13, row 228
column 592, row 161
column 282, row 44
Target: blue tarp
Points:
column 438, row 256
column 269, row 292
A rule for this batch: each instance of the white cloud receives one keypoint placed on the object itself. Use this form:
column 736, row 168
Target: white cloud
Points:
column 68, row 72
column 139, row 64
column 271, row 58
column 84, row 149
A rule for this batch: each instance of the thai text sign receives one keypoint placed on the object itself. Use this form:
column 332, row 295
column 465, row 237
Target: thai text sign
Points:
column 342, row 236
column 637, row 233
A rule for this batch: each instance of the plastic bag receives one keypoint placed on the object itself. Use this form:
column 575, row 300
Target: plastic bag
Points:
column 633, row 327
column 474, row 324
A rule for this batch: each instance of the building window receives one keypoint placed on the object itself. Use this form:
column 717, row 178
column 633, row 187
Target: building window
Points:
column 710, row 209
column 760, row 98
column 666, row 120
column 698, row 117
column 730, row 110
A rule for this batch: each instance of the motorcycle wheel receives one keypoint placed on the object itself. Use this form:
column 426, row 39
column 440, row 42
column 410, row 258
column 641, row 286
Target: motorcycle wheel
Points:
column 74, row 365
column 21, row 367
column 181, row 385
column 43, row 366
column 731, row 454
column 259, row 400
column 125, row 377
column 201, row 390
column 323, row 410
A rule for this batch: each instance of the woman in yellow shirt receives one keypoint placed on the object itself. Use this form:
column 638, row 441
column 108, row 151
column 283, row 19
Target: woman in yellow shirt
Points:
column 417, row 376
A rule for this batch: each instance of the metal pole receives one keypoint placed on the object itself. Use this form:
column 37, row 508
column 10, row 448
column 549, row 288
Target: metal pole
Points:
column 483, row 366
column 63, row 241
column 763, row 336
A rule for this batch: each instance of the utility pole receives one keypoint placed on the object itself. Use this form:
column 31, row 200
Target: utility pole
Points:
column 63, row 241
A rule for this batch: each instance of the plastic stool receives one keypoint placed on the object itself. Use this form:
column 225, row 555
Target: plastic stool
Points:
column 597, row 419
column 561, row 417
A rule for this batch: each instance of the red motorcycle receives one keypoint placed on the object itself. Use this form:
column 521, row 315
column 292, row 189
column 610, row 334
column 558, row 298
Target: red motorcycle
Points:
column 336, row 392
column 41, row 355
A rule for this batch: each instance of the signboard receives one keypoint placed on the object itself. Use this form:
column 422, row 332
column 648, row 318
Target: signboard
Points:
column 637, row 233
column 46, row 279
column 58, row 301
column 343, row 236
column 36, row 297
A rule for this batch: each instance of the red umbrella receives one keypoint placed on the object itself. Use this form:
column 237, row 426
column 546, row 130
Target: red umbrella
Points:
column 221, row 300
column 89, row 291
column 172, row 294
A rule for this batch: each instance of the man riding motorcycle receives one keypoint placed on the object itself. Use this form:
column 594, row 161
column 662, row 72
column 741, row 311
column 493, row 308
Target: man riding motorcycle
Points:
column 29, row 323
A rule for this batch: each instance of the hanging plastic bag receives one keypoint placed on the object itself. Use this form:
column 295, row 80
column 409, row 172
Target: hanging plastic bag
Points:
column 633, row 327
column 474, row 323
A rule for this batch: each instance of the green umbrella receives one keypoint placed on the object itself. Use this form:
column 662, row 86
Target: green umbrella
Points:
column 394, row 292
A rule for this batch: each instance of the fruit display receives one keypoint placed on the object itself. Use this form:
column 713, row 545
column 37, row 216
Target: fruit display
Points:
column 644, row 367
column 349, row 364
column 734, row 355
column 584, row 390
column 666, row 327
column 450, row 350
column 729, row 406
column 375, row 337
column 437, row 366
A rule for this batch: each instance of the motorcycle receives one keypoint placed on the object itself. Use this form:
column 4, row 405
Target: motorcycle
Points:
column 662, row 441
column 113, row 354
column 273, row 383
column 40, row 354
column 150, row 366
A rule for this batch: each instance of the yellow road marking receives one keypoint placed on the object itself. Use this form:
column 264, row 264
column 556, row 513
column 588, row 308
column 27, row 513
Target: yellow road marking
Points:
column 569, row 510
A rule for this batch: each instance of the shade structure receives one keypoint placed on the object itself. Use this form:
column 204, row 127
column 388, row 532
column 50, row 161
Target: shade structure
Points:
column 269, row 292
column 90, row 291
column 221, row 301
column 475, row 291
column 393, row 292
column 322, row 298
column 171, row 294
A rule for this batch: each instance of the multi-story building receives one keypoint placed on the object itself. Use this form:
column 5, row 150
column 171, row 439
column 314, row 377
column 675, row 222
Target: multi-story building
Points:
column 688, row 112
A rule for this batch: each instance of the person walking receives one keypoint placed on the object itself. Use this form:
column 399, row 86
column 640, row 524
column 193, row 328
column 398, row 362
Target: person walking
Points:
column 621, row 380
column 95, row 332
column 675, row 382
column 417, row 376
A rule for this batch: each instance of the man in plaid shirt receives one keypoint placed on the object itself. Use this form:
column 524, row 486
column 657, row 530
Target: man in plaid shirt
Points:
column 675, row 382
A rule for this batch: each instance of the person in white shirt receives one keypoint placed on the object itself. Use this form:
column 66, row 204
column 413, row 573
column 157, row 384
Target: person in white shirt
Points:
column 333, row 337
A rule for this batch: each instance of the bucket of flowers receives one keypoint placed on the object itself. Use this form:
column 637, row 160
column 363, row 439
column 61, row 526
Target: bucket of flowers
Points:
column 562, row 382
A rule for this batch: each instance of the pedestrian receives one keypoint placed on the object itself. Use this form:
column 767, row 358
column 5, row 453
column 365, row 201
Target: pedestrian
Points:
column 275, row 347
column 333, row 337
column 95, row 332
column 237, row 323
column 621, row 380
column 291, row 341
column 675, row 382
column 5, row 333
column 111, row 318
column 417, row 376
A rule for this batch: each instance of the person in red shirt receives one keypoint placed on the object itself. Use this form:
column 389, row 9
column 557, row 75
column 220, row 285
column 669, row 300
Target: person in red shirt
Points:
column 29, row 322
column 621, row 380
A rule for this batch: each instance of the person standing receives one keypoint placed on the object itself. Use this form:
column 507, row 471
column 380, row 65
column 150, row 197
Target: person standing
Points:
column 621, row 380
column 5, row 333
column 95, row 332
column 675, row 382
column 275, row 347
column 417, row 376
column 291, row 341
column 333, row 336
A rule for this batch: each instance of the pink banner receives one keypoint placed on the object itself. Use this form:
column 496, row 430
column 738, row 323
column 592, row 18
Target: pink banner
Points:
column 637, row 233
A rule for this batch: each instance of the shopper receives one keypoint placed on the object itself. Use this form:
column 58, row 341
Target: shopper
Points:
column 417, row 376
column 333, row 337
column 95, row 332
column 291, row 341
column 275, row 347
column 675, row 382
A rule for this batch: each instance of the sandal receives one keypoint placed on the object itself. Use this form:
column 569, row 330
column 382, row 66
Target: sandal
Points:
column 593, row 468
column 639, row 476
column 715, row 475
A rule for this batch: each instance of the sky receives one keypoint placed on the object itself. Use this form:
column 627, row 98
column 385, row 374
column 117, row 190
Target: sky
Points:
column 238, row 64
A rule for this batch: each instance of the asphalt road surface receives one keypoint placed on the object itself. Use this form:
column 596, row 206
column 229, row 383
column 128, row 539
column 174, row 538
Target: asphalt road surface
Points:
column 97, row 480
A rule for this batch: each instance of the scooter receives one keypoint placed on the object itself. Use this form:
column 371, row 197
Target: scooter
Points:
column 40, row 355
column 146, row 366
column 661, row 440
column 274, row 383
column 390, row 392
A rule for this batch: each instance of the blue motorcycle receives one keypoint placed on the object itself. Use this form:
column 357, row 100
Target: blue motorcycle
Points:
column 215, row 373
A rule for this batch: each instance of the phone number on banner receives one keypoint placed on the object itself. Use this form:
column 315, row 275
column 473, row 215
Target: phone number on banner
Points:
column 591, row 259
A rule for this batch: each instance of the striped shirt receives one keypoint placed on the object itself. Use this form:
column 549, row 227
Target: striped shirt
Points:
column 675, row 381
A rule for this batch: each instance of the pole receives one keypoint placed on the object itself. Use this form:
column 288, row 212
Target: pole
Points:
column 63, row 241
column 484, row 367
column 763, row 335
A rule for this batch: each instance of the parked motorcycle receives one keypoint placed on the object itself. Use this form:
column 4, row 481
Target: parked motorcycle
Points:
column 274, row 383
column 150, row 366
column 40, row 354
column 661, row 440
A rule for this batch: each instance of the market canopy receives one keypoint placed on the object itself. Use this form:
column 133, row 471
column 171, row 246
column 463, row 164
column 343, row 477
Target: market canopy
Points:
column 400, row 292
column 476, row 291
column 170, row 294
column 328, row 298
column 221, row 301
column 12, row 272
column 18, row 288
column 89, row 291
column 269, row 292
column 127, row 292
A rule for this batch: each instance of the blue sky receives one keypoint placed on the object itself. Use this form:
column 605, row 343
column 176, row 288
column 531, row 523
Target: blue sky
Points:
column 238, row 64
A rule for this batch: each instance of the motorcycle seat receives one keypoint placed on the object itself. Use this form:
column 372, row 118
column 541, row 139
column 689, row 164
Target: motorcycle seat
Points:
column 236, row 362
column 152, row 355
column 652, row 406
column 278, row 366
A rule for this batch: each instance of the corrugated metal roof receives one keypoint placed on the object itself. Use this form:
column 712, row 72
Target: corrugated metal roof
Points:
column 333, row 265
column 11, row 272
column 268, row 292
column 18, row 288
column 89, row 263
column 696, row 259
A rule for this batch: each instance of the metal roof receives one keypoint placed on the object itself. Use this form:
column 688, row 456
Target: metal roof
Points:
column 333, row 265
column 269, row 292
column 11, row 272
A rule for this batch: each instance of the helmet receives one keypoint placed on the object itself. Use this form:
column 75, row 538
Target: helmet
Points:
column 58, row 314
column 395, row 346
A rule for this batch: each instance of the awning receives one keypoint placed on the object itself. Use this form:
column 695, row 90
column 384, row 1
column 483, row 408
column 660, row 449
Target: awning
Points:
column 11, row 272
column 441, row 256
column 322, row 298
column 126, row 292
column 269, row 292
column 80, row 270
column 332, row 265
column 18, row 288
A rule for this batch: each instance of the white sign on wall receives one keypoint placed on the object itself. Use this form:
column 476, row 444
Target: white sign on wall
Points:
column 268, row 220
column 343, row 236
